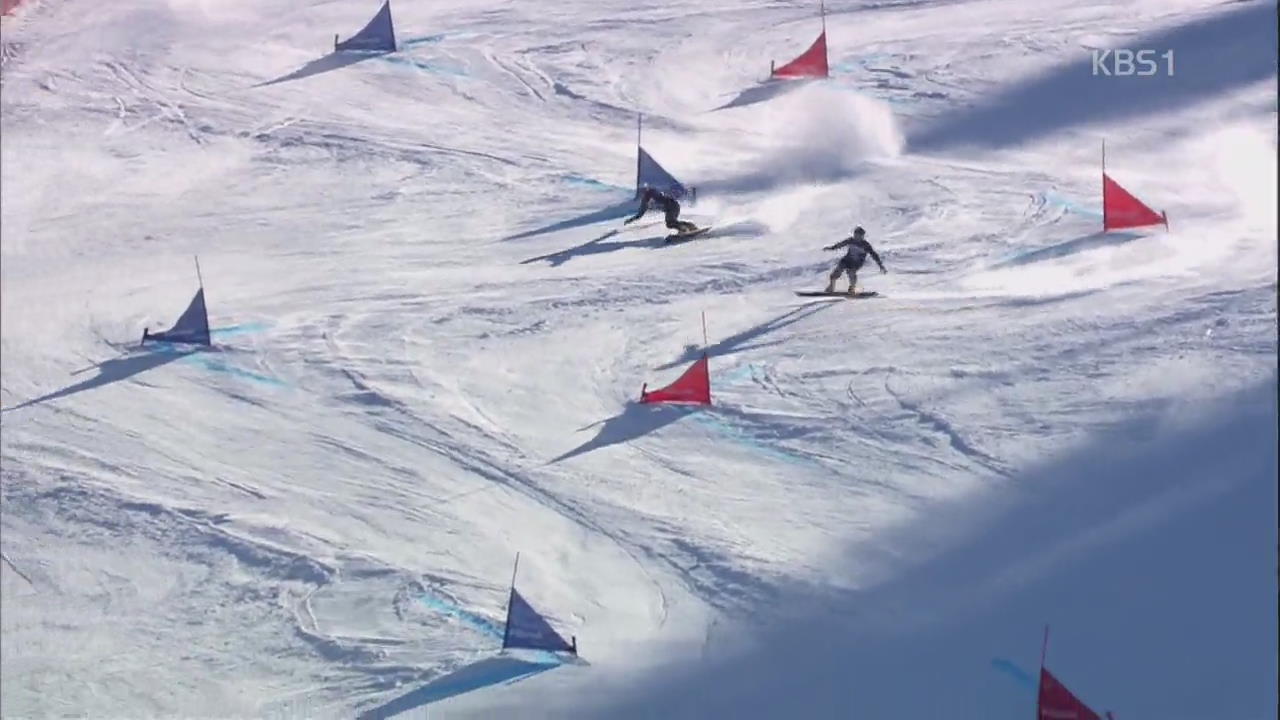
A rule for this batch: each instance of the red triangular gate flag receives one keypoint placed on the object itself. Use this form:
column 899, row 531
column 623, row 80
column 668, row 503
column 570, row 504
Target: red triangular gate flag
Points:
column 811, row 64
column 1057, row 703
column 694, row 386
column 1120, row 209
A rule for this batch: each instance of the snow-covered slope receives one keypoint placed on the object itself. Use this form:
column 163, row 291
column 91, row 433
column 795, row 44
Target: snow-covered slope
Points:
column 428, row 352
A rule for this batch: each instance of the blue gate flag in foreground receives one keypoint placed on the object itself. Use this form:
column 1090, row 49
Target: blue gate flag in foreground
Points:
column 377, row 36
column 528, row 629
column 192, row 327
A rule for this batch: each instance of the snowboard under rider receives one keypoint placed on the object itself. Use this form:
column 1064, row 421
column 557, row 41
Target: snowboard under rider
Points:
column 858, row 250
column 670, row 207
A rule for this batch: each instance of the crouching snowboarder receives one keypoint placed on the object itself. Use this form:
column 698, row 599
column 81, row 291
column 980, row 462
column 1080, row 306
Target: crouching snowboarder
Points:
column 670, row 208
column 854, row 257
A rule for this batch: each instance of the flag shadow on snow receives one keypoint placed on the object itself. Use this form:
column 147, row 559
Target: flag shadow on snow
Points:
column 1213, row 56
column 114, row 370
column 1092, row 241
column 636, row 420
column 328, row 63
column 766, row 90
column 616, row 211
column 1151, row 551
column 480, row 674
column 597, row 246
column 738, row 341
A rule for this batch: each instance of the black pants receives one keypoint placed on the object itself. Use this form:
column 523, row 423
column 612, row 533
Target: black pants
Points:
column 848, row 265
column 672, row 214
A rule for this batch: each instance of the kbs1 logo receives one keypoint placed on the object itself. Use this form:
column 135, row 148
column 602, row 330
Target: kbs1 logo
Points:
column 1123, row 62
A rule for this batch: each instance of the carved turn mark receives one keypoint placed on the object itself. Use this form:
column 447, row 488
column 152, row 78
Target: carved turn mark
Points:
column 19, row 573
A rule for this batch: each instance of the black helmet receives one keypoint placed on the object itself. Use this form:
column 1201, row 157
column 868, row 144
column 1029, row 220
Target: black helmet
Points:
column 859, row 231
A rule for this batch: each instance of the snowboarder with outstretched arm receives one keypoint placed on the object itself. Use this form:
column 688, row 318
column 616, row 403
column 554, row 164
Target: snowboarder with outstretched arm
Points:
column 670, row 208
column 854, row 256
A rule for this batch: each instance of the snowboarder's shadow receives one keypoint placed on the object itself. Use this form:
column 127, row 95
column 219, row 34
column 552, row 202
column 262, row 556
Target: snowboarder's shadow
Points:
column 636, row 420
column 616, row 211
column 114, row 370
column 596, row 246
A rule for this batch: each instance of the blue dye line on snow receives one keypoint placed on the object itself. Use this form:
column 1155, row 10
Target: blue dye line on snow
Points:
column 594, row 184
column 860, row 62
column 737, row 375
column 424, row 65
column 424, row 40
column 1015, row 672
column 742, row 438
column 241, row 329
column 217, row 365
column 212, row 362
column 482, row 624
column 710, row 420
column 1054, row 198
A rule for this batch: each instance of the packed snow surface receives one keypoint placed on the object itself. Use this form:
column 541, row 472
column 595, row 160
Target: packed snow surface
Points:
column 431, row 330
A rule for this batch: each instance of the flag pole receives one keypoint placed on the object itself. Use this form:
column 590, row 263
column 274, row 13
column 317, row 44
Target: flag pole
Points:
column 1104, row 185
column 506, row 629
column 704, row 331
column 1044, row 650
column 199, row 277
column 639, row 122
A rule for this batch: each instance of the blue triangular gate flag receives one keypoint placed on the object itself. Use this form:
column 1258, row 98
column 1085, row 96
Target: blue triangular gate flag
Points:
column 377, row 36
column 192, row 327
column 649, row 172
column 527, row 629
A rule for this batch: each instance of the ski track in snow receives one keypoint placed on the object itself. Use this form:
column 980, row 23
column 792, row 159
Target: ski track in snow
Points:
column 427, row 364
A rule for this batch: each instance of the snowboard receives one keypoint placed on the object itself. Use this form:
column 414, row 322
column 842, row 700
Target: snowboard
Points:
column 681, row 237
column 823, row 293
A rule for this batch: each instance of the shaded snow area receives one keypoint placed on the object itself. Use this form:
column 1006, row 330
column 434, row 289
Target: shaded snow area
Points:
column 430, row 330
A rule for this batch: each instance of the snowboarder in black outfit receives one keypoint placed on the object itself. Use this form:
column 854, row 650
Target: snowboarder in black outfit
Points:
column 858, row 250
column 670, row 208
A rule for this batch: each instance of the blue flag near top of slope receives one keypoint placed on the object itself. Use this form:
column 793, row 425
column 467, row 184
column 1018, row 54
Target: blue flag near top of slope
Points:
column 377, row 36
column 527, row 629
column 192, row 326
column 649, row 172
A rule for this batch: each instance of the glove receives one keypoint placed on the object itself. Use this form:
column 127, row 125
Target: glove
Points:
column 882, row 270
column 628, row 221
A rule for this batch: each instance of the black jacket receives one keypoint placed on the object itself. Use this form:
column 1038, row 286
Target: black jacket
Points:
column 652, row 197
column 858, row 249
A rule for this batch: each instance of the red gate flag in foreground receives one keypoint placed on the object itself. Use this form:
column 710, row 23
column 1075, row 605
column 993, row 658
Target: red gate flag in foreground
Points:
column 1057, row 703
column 694, row 386
column 1120, row 209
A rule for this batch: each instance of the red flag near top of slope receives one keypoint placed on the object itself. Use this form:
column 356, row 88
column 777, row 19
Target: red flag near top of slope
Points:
column 1120, row 209
column 1054, row 700
column 1058, row 703
column 811, row 64
column 694, row 387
